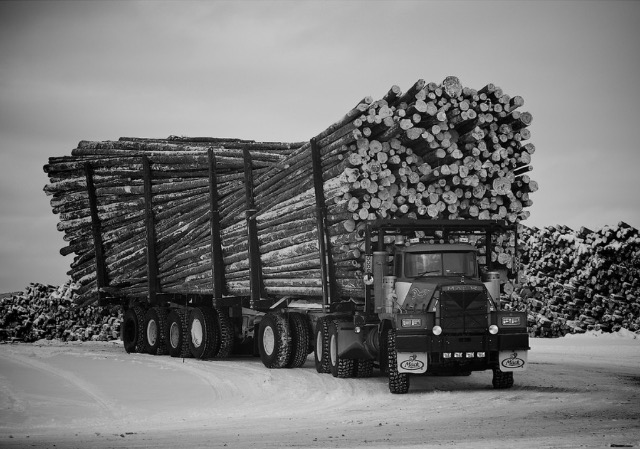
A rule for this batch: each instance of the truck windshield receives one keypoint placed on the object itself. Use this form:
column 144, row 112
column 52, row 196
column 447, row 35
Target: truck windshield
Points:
column 440, row 264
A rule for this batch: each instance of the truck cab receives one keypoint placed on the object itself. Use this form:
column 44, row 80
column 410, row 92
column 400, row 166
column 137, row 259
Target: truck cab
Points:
column 444, row 320
column 436, row 303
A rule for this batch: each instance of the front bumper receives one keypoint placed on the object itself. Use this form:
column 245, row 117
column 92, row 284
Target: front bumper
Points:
column 465, row 352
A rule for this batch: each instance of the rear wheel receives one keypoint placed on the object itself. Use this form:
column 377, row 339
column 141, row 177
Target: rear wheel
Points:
column 384, row 353
column 398, row 382
column 364, row 368
column 502, row 380
column 226, row 334
column 132, row 330
column 274, row 340
column 299, row 326
column 203, row 341
column 340, row 367
column 322, row 346
column 155, row 331
column 178, row 333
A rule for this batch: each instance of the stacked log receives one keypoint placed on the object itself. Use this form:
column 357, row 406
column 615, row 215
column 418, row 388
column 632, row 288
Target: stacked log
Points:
column 48, row 312
column 435, row 151
column 580, row 280
column 440, row 151
column 180, row 195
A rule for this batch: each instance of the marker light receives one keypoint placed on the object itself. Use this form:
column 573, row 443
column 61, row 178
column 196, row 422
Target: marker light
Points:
column 437, row 330
column 511, row 321
column 493, row 329
column 411, row 322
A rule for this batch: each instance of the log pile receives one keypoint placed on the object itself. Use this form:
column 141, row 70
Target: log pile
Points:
column 580, row 280
column 48, row 312
column 440, row 151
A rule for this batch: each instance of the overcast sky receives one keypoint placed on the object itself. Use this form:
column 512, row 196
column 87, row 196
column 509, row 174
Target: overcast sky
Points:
column 284, row 71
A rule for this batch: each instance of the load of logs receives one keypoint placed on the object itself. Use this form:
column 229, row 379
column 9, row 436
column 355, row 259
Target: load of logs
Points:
column 440, row 151
column 577, row 281
column 48, row 312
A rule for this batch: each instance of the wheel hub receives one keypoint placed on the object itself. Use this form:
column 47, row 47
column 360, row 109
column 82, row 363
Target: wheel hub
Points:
column 268, row 340
column 152, row 332
column 174, row 335
column 197, row 332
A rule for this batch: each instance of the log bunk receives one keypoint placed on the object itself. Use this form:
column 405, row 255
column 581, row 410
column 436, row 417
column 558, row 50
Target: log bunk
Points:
column 139, row 214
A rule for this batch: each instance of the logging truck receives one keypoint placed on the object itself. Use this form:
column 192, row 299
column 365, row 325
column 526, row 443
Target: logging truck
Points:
column 371, row 245
column 428, row 307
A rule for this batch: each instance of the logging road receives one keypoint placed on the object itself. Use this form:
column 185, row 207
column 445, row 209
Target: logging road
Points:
column 579, row 391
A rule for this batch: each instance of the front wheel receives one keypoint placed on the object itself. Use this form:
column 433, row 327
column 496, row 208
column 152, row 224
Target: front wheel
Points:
column 502, row 380
column 398, row 382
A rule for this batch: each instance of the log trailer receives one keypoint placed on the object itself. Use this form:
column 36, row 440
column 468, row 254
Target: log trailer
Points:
column 429, row 306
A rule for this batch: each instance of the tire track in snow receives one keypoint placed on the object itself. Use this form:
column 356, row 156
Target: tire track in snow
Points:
column 87, row 388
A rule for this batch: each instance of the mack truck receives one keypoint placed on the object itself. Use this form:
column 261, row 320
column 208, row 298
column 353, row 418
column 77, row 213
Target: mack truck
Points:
column 430, row 304
column 432, row 308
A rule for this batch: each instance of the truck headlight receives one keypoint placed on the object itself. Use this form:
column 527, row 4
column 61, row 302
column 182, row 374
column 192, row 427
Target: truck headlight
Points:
column 493, row 329
column 437, row 330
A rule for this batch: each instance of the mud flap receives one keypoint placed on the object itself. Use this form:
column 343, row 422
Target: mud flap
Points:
column 513, row 360
column 412, row 362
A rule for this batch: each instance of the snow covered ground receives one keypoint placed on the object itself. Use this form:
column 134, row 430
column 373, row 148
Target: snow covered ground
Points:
column 579, row 391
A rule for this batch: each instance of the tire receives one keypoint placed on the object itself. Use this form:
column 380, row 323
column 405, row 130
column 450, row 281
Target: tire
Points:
column 155, row 331
column 299, row 325
column 178, row 333
column 274, row 340
column 132, row 329
column 203, row 333
column 364, row 368
column 226, row 335
column 502, row 380
column 384, row 353
column 340, row 367
column 321, row 351
column 398, row 382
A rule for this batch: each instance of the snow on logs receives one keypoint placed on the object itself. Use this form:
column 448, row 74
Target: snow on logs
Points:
column 439, row 151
